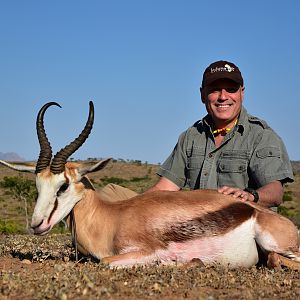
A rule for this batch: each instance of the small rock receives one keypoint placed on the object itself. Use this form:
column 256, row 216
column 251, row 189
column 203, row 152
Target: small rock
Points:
column 64, row 297
column 157, row 287
column 26, row 262
column 58, row 268
column 85, row 291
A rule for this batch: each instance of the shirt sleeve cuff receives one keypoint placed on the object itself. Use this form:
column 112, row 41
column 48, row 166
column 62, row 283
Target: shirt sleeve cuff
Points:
column 167, row 174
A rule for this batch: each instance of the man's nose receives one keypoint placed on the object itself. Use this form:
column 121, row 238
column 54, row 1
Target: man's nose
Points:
column 223, row 94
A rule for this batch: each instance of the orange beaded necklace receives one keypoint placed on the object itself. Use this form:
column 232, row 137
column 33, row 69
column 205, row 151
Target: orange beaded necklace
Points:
column 224, row 129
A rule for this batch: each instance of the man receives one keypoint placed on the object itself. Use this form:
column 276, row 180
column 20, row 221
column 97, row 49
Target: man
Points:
column 228, row 150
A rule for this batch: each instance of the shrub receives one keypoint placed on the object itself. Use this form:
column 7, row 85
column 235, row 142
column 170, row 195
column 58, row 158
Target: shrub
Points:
column 116, row 180
column 138, row 179
column 287, row 196
column 9, row 227
column 22, row 189
column 288, row 212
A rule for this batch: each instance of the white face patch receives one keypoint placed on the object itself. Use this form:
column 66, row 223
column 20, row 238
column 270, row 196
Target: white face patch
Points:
column 55, row 201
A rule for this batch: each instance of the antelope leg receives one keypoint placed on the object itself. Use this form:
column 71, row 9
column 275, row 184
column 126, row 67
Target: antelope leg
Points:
column 276, row 260
column 129, row 259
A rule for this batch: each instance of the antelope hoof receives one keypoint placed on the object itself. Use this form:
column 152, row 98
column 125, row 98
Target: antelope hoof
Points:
column 106, row 260
column 274, row 261
column 197, row 262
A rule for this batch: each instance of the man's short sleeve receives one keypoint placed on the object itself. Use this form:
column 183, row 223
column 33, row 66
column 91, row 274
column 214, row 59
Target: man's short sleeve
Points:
column 175, row 165
column 270, row 160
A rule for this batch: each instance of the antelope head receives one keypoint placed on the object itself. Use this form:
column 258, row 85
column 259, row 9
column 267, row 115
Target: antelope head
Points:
column 59, row 183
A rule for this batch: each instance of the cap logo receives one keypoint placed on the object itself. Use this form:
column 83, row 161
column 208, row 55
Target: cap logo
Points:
column 226, row 68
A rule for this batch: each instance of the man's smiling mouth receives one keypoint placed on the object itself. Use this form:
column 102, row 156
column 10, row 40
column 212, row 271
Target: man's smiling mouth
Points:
column 223, row 105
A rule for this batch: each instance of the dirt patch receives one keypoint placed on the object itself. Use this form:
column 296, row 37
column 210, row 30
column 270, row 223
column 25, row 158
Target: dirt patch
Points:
column 44, row 268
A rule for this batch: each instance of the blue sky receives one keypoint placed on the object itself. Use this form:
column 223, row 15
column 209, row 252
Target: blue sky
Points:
column 141, row 62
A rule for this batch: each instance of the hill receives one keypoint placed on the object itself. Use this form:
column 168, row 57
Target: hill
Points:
column 10, row 156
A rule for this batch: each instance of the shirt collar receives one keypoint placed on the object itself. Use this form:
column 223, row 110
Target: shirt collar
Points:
column 242, row 121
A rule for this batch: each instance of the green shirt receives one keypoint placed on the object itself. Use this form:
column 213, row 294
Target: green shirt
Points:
column 251, row 155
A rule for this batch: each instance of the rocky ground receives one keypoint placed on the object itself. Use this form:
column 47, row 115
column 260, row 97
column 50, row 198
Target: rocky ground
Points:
column 44, row 268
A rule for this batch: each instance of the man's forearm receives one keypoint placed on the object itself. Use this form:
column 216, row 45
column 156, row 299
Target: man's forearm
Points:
column 270, row 194
column 163, row 184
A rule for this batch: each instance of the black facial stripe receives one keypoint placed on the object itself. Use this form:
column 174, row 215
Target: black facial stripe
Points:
column 53, row 210
column 62, row 189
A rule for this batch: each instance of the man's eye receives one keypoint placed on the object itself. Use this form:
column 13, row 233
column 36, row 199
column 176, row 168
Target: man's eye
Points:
column 232, row 89
column 62, row 189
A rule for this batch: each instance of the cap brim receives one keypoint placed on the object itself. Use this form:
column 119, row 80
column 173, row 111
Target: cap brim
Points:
column 213, row 78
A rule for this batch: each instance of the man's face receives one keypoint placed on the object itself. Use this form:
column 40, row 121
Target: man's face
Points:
column 223, row 100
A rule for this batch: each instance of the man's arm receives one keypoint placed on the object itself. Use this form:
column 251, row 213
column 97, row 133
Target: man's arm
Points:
column 164, row 184
column 269, row 195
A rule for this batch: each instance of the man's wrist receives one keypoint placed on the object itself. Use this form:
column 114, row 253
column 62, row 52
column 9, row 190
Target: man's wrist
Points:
column 254, row 193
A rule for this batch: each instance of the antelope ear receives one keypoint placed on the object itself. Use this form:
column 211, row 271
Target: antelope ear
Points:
column 94, row 168
column 19, row 167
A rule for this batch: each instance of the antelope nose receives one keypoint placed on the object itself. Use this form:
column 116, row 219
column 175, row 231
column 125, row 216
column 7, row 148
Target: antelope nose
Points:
column 33, row 226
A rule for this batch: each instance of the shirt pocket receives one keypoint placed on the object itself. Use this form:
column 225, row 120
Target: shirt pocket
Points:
column 268, row 162
column 232, row 168
column 268, row 152
column 195, row 159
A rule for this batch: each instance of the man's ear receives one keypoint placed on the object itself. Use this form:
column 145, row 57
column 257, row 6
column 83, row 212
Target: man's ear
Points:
column 243, row 92
column 202, row 95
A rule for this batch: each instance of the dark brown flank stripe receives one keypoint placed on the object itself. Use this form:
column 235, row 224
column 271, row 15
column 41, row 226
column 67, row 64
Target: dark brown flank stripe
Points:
column 210, row 224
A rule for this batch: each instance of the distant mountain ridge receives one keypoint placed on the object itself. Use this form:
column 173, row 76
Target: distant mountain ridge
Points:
column 11, row 156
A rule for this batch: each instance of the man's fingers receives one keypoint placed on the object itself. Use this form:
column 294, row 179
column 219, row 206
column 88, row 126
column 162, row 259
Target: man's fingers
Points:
column 236, row 193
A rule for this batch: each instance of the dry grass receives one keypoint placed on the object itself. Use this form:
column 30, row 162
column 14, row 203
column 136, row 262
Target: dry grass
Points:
column 43, row 268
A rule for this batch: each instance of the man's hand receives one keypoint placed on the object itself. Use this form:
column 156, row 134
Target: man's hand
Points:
column 269, row 195
column 236, row 193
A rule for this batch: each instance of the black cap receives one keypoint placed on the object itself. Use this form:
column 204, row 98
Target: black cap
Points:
column 222, row 69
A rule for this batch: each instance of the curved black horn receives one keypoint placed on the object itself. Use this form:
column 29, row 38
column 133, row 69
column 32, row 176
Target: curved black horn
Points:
column 45, row 147
column 58, row 163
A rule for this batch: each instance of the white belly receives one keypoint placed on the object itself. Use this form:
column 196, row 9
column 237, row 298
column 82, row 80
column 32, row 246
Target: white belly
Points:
column 236, row 248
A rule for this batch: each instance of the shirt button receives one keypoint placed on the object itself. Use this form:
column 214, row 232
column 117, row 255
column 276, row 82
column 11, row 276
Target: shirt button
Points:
column 205, row 174
column 210, row 155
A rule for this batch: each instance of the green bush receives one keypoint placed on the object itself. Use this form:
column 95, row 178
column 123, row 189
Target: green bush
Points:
column 122, row 181
column 22, row 189
column 138, row 179
column 19, row 184
column 116, row 180
column 287, row 212
column 10, row 227
column 287, row 196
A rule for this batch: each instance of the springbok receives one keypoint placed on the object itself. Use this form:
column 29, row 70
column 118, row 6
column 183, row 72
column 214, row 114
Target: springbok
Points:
column 156, row 226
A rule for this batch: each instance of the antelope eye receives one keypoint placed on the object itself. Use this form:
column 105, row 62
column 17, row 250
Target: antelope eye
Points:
column 62, row 189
